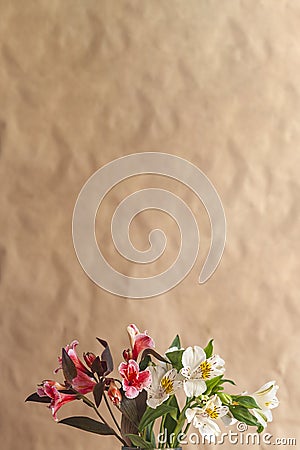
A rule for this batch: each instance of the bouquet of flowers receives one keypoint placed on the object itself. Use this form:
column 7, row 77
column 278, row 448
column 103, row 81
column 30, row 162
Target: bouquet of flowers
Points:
column 151, row 389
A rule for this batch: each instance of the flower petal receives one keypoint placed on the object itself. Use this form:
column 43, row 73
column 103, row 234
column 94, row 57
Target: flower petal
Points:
column 190, row 414
column 141, row 343
column 194, row 388
column 258, row 416
column 188, row 386
column 131, row 391
column 228, row 419
column 192, row 357
column 144, row 378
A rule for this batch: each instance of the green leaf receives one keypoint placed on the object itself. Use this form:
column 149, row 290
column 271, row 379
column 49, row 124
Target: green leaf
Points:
column 260, row 428
column 68, row 367
column 87, row 424
column 139, row 441
column 213, row 384
column 176, row 342
column 226, row 399
column 36, row 398
column 169, row 425
column 175, row 358
column 246, row 400
column 228, row 381
column 243, row 415
column 153, row 414
column 172, row 401
column 171, row 422
column 98, row 392
column 150, row 436
column 209, row 349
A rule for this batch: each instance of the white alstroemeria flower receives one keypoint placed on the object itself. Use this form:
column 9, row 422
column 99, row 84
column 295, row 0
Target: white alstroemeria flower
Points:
column 196, row 369
column 266, row 398
column 164, row 383
column 205, row 418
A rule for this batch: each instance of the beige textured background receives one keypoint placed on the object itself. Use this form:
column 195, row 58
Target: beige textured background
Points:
column 84, row 82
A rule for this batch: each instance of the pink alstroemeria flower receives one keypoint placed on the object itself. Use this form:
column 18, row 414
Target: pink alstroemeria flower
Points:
column 134, row 381
column 52, row 389
column 138, row 341
column 83, row 382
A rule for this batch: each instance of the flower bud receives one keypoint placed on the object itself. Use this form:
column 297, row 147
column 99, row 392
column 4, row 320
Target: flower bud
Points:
column 226, row 399
column 89, row 358
column 127, row 354
column 114, row 393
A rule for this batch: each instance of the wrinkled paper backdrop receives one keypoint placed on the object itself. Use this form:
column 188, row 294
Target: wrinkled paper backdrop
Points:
column 85, row 82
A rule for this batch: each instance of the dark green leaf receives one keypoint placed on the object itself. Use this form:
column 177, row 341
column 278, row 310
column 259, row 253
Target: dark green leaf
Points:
column 145, row 362
column 243, row 415
column 68, row 367
column 98, row 392
column 246, row 400
column 150, row 351
column 87, row 424
column 128, row 408
column 98, row 366
column 36, row 398
column 127, row 428
column 132, row 412
column 139, row 441
column 153, row 414
column 106, row 356
column 141, row 404
column 209, row 349
column 175, row 358
column 176, row 343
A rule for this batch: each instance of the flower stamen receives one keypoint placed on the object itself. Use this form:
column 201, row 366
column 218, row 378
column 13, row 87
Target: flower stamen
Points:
column 167, row 385
column 213, row 413
column 205, row 368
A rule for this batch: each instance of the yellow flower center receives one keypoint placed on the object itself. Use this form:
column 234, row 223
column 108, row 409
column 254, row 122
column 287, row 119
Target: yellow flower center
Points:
column 205, row 369
column 213, row 414
column 167, row 385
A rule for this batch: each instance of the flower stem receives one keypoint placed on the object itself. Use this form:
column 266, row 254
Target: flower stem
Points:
column 186, row 428
column 111, row 413
column 92, row 405
column 180, row 422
